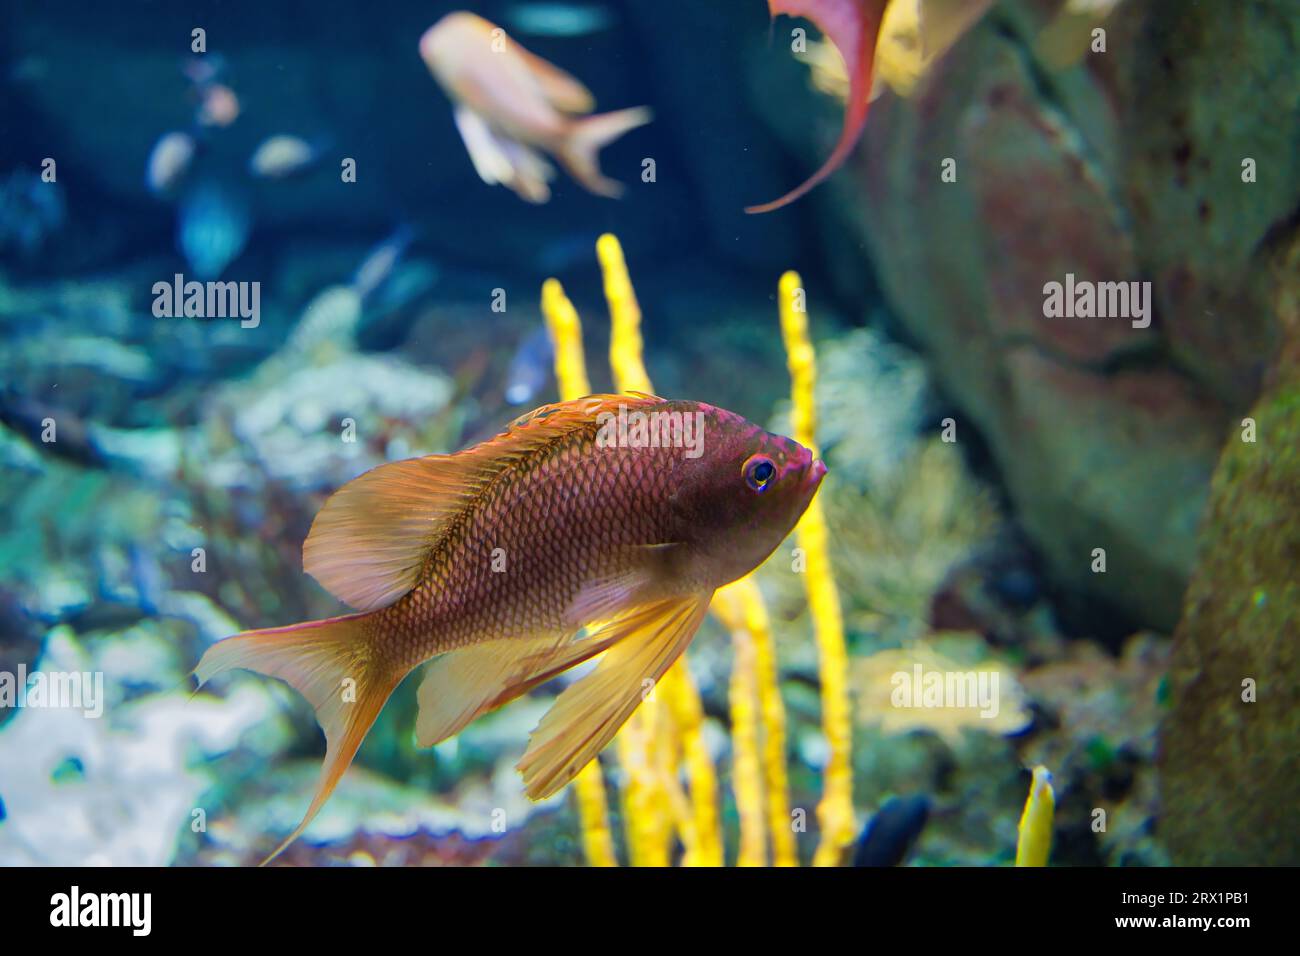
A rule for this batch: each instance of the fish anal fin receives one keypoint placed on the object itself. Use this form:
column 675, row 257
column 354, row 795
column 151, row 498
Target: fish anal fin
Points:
column 645, row 641
column 464, row 684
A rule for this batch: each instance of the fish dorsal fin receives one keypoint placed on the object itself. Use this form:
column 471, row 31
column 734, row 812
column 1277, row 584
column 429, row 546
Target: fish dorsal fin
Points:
column 561, row 90
column 371, row 537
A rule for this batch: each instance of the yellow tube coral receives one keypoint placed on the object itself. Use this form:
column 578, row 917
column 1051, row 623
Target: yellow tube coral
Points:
column 835, row 811
column 571, row 373
column 746, row 770
column 565, row 329
column 1034, row 842
column 772, row 716
column 679, row 690
column 593, row 816
column 624, row 319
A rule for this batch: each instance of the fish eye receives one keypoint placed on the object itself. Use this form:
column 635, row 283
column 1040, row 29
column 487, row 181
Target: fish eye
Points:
column 758, row 472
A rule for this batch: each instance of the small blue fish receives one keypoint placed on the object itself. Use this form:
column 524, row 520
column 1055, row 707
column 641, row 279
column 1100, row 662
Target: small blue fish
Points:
column 530, row 369
column 559, row 19
column 212, row 228
column 890, row 834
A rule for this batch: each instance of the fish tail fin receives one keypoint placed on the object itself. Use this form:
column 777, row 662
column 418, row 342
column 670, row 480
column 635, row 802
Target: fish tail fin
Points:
column 587, row 136
column 333, row 663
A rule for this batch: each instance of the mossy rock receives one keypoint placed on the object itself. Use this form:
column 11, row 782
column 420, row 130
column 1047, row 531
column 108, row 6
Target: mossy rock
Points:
column 1230, row 769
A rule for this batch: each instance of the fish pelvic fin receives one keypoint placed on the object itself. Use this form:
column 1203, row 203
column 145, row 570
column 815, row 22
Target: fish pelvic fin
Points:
column 333, row 664
column 853, row 26
column 579, row 154
column 644, row 642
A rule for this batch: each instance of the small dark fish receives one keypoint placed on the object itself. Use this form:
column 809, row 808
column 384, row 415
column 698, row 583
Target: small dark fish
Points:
column 889, row 835
column 31, row 211
column 530, row 369
column 73, row 437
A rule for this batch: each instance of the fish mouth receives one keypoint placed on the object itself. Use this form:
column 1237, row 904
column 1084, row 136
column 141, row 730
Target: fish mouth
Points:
column 814, row 475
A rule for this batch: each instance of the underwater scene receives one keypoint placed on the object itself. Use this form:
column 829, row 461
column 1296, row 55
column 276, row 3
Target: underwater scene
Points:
column 638, row 433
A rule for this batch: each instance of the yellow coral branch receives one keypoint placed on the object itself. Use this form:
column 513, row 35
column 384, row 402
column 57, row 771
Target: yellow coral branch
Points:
column 593, row 808
column 1034, row 842
column 772, row 713
column 746, row 771
column 566, row 340
column 835, row 811
column 624, row 317
column 571, row 373
column 680, row 693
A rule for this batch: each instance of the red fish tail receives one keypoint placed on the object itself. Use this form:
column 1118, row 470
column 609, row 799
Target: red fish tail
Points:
column 333, row 664
column 854, row 27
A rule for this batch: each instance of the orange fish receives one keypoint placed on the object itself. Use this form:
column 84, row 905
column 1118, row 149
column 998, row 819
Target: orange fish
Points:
column 512, row 106
column 853, row 26
column 601, row 524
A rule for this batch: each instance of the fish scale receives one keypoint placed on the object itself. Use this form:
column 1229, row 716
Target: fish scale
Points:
column 549, row 551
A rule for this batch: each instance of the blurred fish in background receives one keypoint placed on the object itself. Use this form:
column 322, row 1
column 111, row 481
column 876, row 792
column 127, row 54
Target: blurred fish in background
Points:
column 169, row 161
column 218, row 105
column 31, row 212
column 212, row 228
column 559, row 19
column 284, row 156
column 891, row 833
column 378, row 265
column 512, row 106
column 530, row 369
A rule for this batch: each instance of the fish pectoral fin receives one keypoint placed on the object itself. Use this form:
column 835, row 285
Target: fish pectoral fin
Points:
column 561, row 90
column 464, row 684
column 601, row 598
column 645, row 640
